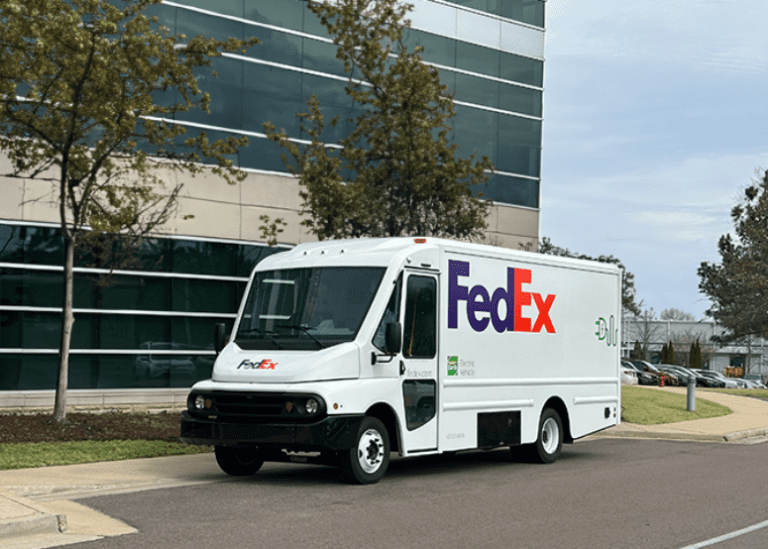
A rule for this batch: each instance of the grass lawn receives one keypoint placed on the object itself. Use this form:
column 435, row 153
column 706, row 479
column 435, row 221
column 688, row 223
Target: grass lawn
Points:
column 754, row 393
column 648, row 406
column 40, row 454
column 34, row 440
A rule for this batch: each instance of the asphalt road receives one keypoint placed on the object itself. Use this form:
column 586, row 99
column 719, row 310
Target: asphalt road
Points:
column 607, row 493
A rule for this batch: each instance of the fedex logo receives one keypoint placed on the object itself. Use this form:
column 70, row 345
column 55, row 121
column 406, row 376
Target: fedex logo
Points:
column 480, row 301
column 266, row 364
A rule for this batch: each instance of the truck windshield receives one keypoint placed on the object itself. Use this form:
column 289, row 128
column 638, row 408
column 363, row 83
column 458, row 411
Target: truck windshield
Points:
column 306, row 308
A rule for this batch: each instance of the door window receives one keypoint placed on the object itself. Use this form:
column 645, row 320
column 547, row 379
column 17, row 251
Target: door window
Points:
column 391, row 314
column 419, row 401
column 419, row 339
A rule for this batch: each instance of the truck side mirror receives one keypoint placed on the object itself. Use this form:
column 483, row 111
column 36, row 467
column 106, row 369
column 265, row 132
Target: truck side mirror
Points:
column 393, row 338
column 219, row 337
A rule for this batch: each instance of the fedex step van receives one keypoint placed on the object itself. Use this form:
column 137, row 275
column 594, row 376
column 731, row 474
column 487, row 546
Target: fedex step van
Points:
column 345, row 351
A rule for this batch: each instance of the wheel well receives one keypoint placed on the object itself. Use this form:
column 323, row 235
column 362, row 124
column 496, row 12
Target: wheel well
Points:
column 559, row 406
column 387, row 416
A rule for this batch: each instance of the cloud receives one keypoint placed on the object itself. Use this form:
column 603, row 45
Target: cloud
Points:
column 711, row 182
column 688, row 35
column 679, row 226
column 662, row 222
column 655, row 119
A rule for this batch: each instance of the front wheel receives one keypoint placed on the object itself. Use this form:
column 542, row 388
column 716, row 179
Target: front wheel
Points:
column 549, row 441
column 367, row 462
column 238, row 462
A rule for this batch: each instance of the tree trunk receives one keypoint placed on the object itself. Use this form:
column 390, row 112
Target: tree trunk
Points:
column 67, row 321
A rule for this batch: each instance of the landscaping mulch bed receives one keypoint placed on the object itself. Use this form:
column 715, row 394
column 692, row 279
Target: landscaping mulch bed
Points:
column 110, row 425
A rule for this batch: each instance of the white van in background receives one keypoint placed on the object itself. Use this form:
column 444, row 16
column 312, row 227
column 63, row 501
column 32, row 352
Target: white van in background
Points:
column 344, row 351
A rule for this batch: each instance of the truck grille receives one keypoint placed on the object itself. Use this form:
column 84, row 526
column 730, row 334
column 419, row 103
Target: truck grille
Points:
column 256, row 407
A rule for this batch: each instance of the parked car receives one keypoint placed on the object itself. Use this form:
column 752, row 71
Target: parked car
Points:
column 705, row 381
column 628, row 375
column 154, row 365
column 729, row 383
column 740, row 382
column 669, row 377
column 643, row 377
column 685, row 373
column 756, row 379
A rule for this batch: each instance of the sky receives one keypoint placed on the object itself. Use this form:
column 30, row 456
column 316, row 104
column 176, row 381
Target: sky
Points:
column 655, row 120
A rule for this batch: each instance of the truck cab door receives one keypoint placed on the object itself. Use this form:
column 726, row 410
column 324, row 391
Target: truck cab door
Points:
column 418, row 362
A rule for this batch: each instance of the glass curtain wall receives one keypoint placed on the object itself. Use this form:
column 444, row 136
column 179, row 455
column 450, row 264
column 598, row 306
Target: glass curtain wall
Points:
column 150, row 325
column 498, row 95
column 524, row 11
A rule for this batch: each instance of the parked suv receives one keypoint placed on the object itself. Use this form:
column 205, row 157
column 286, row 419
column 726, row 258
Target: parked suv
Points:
column 729, row 383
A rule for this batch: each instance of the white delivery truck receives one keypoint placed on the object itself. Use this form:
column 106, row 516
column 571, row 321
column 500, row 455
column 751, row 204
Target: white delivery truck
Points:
column 344, row 351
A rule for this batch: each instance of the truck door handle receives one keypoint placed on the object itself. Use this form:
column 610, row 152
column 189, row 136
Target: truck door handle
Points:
column 402, row 367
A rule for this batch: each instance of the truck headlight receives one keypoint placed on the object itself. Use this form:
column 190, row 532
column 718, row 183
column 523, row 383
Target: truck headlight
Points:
column 312, row 406
column 199, row 402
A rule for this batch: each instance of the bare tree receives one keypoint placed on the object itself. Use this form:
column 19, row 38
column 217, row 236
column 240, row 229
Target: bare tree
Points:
column 676, row 314
column 645, row 328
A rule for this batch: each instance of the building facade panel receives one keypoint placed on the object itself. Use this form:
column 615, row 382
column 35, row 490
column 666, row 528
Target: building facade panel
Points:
column 274, row 80
column 149, row 324
column 653, row 334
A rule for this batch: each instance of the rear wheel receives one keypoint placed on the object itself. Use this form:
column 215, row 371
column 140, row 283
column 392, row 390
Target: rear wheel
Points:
column 238, row 462
column 549, row 441
column 367, row 462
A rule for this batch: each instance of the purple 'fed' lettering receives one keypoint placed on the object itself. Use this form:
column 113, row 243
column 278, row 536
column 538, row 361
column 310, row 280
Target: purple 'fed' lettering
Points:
column 478, row 300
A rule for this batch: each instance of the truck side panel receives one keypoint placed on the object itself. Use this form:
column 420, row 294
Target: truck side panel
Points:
column 518, row 332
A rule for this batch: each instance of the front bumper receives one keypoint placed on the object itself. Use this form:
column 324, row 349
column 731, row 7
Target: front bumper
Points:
column 332, row 433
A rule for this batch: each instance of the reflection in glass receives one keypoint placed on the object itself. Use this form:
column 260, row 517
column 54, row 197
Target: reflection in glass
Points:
column 525, row 11
column 277, row 46
column 520, row 100
column 307, row 308
column 437, row 49
column 477, row 91
column 193, row 23
column 511, row 190
column 419, row 328
column 419, row 401
column 516, row 68
column 281, row 13
column 156, row 365
column 477, row 58
column 391, row 314
column 476, row 132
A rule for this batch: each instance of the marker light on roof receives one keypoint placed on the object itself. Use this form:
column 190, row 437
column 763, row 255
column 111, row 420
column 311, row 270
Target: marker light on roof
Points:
column 420, row 240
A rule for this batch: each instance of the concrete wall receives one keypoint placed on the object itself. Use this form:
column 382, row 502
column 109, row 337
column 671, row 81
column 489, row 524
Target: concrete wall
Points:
column 232, row 212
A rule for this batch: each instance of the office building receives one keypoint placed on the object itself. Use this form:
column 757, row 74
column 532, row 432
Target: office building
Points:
column 150, row 326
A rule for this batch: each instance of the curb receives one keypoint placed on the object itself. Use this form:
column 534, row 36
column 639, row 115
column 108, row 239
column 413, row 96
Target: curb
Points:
column 661, row 436
column 740, row 435
column 728, row 437
column 43, row 524
column 31, row 518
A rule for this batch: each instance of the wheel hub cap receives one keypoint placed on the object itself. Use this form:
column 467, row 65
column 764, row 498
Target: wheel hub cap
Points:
column 550, row 435
column 370, row 451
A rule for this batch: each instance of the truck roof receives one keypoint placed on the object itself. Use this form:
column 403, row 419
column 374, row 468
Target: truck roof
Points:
column 383, row 251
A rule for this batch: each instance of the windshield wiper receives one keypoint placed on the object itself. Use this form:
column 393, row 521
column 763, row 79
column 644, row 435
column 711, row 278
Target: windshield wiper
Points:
column 304, row 329
column 262, row 332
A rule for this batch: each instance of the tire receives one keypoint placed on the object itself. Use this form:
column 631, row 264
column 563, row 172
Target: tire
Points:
column 549, row 441
column 238, row 462
column 367, row 462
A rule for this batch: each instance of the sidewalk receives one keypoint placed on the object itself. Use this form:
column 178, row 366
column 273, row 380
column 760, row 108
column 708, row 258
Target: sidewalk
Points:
column 37, row 511
column 36, row 507
column 749, row 420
